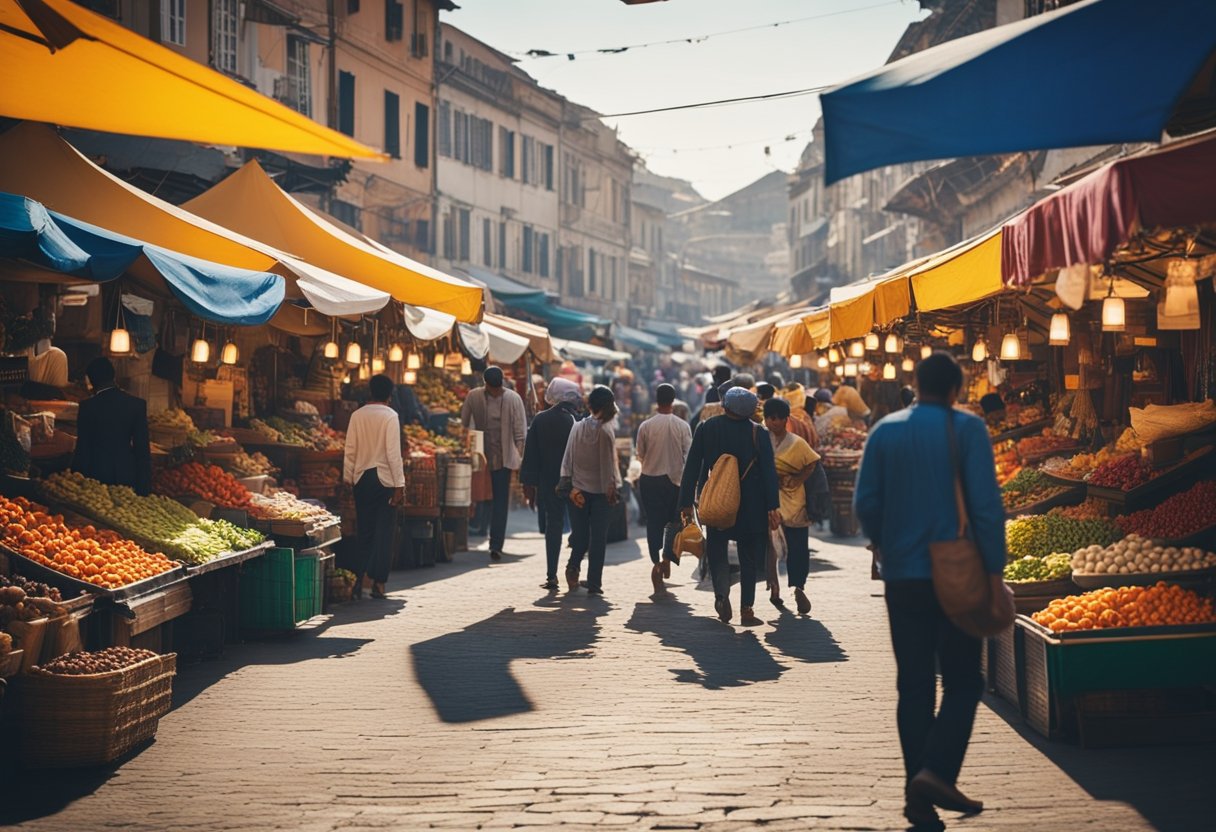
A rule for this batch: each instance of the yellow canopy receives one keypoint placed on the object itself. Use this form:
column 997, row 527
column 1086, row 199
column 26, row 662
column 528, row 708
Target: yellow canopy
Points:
column 250, row 202
column 63, row 64
column 791, row 336
column 752, row 340
column 859, row 307
column 966, row 273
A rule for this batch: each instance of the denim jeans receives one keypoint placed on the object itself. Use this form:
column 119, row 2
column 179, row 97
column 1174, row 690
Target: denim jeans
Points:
column 922, row 635
column 751, row 555
column 552, row 509
column 659, row 496
column 797, row 555
column 500, row 482
column 589, row 536
column 374, row 521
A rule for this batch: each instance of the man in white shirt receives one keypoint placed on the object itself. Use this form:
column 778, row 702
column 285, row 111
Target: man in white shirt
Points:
column 499, row 413
column 663, row 442
column 373, row 466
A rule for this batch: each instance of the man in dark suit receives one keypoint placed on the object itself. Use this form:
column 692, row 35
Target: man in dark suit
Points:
column 112, row 433
column 541, row 468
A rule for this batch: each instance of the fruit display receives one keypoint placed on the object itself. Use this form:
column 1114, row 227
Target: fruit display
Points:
column 208, row 439
column 1005, row 455
column 1091, row 509
column 1136, row 555
column 1027, row 488
column 97, row 556
column 439, row 392
column 1051, row 568
column 250, row 465
column 1127, row 441
column 1123, row 473
column 208, row 482
column 172, row 419
column 1081, row 464
column 1129, row 606
column 83, row 663
column 32, row 589
column 1181, row 515
column 324, row 479
column 14, row 457
column 156, row 519
column 1029, row 415
column 316, row 436
column 16, row 605
column 282, row 505
column 307, row 408
column 840, row 458
column 846, row 437
column 424, row 443
column 1043, row 534
column 1043, row 444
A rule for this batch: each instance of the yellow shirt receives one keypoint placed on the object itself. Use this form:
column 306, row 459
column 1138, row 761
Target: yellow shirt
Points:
column 792, row 455
column 851, row 400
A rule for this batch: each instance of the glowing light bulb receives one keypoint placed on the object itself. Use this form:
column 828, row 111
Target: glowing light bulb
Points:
column 795, row 361
column 979, row 352
column 120, row 342
column 822, row 363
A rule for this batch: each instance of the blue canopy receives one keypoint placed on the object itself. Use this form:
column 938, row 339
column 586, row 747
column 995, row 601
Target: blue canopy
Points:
column 562, row 322
column 218, row 293
column 1098, row 72
column 640, row 339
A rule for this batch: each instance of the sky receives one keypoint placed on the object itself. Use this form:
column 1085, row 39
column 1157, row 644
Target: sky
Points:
column 719, row 149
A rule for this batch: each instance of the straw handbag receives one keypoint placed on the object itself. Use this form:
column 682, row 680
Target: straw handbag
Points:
column 718, row 506
column 689, row 541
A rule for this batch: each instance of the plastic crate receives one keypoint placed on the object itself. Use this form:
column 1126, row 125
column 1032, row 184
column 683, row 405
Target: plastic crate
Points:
column 268, row 591
column 309, row 587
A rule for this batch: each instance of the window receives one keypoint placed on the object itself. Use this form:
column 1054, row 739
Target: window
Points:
column 487, row 243
column 392, row 124
column 422, row 135
column 352, row 6
column 574, row 188
column 464, row 233
column 481, row 143
column 612, row 263
column 547, row 176
column 527, row 162
column 536, row 163
column 297, row 93
column 347, row 213
column 346, row 103
column 527, row 252
column 502, row 245
column 173, row 22
column 422, row 235
column 223, row 35
column 444, row 128
column 449, row 237
column 506, row 152
column 542, row 255
column 558, row 261
column 460, row 136
column 591, row 271
column 394, row 20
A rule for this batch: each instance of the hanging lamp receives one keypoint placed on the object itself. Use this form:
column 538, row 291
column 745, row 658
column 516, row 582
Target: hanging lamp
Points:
column 200, row 350
column 979, row 352
column 396, row 354
column 1060, row 333
column 1114, row 313
column 795, row 362
column 857, row 349
column 822, row 363
column 872, row 341
column 331, row 350
column 833, row 355
column 892, row 344
column 354, row 354
column 908, row 365
column 1181, row 292
column 120, row 337
column 413, row 361
column 840, row 370
column 1011, row 348
column 378, row 364
column 926, row 351
column 438, row 361
column 466, row 367
column 411, row 377
column 230, row 354
column 888, row 371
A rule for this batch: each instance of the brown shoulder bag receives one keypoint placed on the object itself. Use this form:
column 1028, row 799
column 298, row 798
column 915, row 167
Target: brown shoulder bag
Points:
column 979, row 604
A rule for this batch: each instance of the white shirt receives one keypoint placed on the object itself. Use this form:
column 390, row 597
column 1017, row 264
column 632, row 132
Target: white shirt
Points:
column 590, row 458
column 373, row 440
column 663, row 442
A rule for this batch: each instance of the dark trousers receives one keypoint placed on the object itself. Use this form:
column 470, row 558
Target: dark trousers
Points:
column 751, row 554
column 552, row 510
column 500, row 482
column 659, row 497
column 797, row 555
column 589, row 536
column 921, row 634
column 374, row 518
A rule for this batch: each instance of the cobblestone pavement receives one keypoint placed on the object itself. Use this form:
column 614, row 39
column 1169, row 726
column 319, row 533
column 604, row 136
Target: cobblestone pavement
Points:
column 473, row 699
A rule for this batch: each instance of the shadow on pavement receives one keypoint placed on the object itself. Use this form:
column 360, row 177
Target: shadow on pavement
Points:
column 804, row 639
column 724, row 657
column 467, row 674
column 1169, row 785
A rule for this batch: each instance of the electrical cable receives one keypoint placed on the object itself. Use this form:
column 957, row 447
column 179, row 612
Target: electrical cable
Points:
column 719, row 103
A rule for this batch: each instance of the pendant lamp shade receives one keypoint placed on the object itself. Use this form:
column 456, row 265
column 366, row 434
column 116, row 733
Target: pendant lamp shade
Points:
column 888, row 371
column 120, row 341
column 840, row 370
column 413, row 361
column 378, row 364
column 834, row 355
column 1060, row 333
column 822, row 363
column 200, row 352
column 396, row 354
column 1181, row 293
column 466, row 367
column 980, row 351
column 892, row 343
column 850, row 370
column 795, row 361
column 354, row 354
column 1114, row 315
column 872, row 341
column 908, row 365
column 230, row 353
column 438, row 361
column 1011, row 349
column 411, row 377
column 331, row 349
column 857, row 349
column 926, row 351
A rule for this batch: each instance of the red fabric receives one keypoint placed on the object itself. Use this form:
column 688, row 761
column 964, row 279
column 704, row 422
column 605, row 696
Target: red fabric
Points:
column 1087, row 221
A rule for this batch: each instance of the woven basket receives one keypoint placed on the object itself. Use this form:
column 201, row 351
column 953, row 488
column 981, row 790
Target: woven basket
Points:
column 70, row 721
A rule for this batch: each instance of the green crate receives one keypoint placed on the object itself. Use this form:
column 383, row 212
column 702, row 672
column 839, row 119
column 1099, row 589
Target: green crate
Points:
column 309, row 588
column 268, row 591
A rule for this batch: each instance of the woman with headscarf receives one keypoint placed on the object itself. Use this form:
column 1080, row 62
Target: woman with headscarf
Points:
column 734, row 433
column 541, row 468
column 800, row 423
column 590, row 471
column 795, row 462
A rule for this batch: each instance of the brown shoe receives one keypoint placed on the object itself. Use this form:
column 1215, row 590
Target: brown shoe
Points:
column 722, row 605
column 656, row 579
column 804, row 603
column 378, row 590
column 921, row 814
column 748, row 618
column 933, row 789
column 571, row 579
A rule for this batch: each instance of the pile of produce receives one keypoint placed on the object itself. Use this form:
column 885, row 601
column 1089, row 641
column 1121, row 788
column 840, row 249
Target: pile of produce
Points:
column 1053, row 567
column 1124, row 473
column 172, row 419
column 208, row 482
column 1127, row 441
column 1028, row 487
column 97, row 556
column 206, row 438
column 1181, row 515
column 424, row 443
column 1044, row 443
column 159, row 520
column 251, row 465
column 1043, row 534
column 16, row 605
column 103, row 661
column 316, row 436
column 282, row 505
column 32, row 589
column 1008, row 464
column 1129, row 606
column 1135, row 555
column 1029, row 415
column 840, row 458
column 439, row 391
column 1091, row 509
column 845, row 437
column 1082, row 464
column 14, row 457
column 307, row 408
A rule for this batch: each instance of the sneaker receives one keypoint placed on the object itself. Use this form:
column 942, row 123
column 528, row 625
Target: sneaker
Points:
column 722, row 605
column 804, row 603
column 748, row 618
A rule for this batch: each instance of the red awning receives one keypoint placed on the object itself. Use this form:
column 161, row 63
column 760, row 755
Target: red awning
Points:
column 1088, row 221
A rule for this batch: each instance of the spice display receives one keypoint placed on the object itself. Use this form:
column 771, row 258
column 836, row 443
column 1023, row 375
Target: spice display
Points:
column 1181, row 515
column 32, row 589
column 1028, row 487
column 1044, row 443
column 1053, row 567
column 1136, row 555
column 1127, row 441
column 97, row 556
column 845, row 437
column 1005, row 456
column 1043, row 534
column 1129, row 606
column 1124, row 473
column 103, row 661
column 1080, row 464
column 1091, row 509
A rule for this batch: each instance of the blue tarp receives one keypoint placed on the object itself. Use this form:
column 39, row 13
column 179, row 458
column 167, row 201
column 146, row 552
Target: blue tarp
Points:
column 639, row 339
column 218, row 293
column 1099, row 72
column 503, row 288
column 563, row 322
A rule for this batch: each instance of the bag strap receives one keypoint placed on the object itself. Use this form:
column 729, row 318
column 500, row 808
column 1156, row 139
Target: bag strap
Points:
column 956, row 469
column 755, row 453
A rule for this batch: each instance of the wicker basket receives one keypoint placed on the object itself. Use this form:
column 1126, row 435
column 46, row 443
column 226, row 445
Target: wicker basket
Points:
column 70, row 721
column 421, row 482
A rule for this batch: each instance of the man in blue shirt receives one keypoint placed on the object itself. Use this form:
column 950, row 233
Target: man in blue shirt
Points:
column 905, row 501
